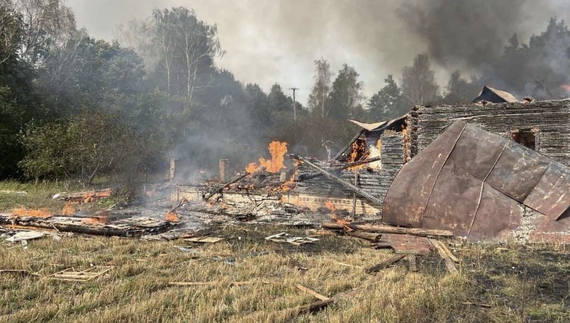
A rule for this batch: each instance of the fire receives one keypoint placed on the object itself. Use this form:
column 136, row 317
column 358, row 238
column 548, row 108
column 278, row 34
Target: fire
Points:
column 98, row 219
column 41, row 213
column 68, row 209
column 346, row 224
column 358, row 152
column 89, row 197
column 171, row 216
column 277, row 150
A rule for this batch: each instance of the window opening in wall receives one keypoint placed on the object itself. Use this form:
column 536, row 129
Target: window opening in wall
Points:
column 526, row 138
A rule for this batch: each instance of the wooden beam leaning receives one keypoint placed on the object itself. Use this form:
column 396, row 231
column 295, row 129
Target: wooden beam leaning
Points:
column 374, row 200
column 448, row 262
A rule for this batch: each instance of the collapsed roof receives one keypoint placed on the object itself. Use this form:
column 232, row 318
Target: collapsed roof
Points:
column 477, row 185
column 490, row 94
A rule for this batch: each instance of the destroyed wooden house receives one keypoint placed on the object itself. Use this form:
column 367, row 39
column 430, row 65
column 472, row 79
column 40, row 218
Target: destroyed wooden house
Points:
column 361, row 175
column 518, row 191
column 370, row 161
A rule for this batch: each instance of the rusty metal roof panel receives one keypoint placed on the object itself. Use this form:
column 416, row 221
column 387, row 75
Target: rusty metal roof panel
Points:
column 473, row 183
column 413, row 185
column 551, row 195
column 517, row 171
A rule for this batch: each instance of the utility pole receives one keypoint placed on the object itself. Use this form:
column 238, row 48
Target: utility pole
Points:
column 294, row 104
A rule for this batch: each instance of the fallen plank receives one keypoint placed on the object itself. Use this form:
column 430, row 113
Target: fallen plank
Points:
column 384, row 264
column 448, row 262
column 309, row 308
column 390, row 229
column 81, row 276
column 447, row 251
column 204, row 239
column 208, row 195
column 312, row 292
column 374, row 237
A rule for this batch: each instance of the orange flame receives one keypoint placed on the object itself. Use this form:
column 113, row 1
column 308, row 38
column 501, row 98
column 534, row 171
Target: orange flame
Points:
column 171, row 216
column 41, row 213
column 346, row 224
column 68, row 209
column 358, row 152
column 89, row 197
column 98, row 219
column 277, row 150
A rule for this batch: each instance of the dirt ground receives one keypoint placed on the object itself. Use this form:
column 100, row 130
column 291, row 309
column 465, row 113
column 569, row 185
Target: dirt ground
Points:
column 495, row 283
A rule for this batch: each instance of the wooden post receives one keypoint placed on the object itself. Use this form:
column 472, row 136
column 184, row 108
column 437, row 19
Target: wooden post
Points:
column 354, row 195
column 223, row 163
column 172, row 169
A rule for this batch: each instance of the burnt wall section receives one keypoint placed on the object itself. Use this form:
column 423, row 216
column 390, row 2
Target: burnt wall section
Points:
column 549, row 120
column 376, row 182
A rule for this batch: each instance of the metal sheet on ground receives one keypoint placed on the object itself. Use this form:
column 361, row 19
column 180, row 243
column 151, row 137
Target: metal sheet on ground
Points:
column 408, row 195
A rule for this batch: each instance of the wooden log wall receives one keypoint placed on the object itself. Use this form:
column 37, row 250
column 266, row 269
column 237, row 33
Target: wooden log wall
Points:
column 551, row 118
column 376, row 182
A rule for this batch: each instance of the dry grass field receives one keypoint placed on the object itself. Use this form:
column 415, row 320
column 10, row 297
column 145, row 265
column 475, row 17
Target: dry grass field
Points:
column 495, row 283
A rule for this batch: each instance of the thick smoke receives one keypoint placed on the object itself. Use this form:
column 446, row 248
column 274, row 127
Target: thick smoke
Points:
column 277, row 41
column 468, row 34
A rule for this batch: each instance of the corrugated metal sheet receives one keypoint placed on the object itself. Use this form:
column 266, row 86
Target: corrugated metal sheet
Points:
column 474, row 183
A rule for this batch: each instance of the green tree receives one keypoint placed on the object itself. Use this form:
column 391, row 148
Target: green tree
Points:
column 459, row 90
column 418, row 82
column 346, row 95
column 387, row 103
column 321, row 88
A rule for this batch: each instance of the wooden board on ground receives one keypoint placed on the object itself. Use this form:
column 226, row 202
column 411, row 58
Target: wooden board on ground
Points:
column 70, row 274
column 204, row 239
column 312, row 292
column 384, row 264
column 441, row 250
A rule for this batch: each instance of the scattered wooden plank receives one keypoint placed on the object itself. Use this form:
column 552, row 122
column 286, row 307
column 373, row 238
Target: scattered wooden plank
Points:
column 412, row 262
column 312, row 292
column 204, row 239
column 70, row 274
column 390, row 229
column 384, row 264
column 309, row 308
column 448, row 262
column 447, row 251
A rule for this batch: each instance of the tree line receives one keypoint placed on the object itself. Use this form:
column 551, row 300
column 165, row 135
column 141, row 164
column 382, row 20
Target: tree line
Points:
column 76, row 107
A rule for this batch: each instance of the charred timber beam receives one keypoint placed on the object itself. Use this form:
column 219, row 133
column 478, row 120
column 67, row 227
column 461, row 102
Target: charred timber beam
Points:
column 342, row 167
column 339, row 154
column 208, row 195
column 389, row 229
column 347, row 185
column 361, row 162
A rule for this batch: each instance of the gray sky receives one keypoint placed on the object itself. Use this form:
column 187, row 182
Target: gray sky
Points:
column 277, row 41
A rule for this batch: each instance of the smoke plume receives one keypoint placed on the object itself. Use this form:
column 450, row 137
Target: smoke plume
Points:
column 277, row 41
